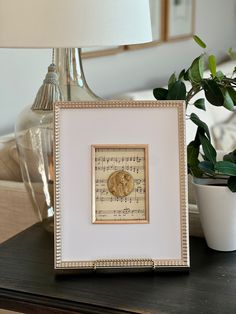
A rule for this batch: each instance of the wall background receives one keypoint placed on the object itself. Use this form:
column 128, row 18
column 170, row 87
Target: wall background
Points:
column 22, row 71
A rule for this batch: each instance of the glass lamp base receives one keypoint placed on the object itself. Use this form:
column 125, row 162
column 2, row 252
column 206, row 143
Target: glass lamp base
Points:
column 34, row 137
column 34, row 130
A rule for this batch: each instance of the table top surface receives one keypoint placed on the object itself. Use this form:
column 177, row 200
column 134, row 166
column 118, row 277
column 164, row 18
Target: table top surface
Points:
column 28, row 283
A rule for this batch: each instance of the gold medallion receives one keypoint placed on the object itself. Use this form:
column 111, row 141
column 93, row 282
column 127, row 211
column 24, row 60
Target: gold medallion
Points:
column 120, row 183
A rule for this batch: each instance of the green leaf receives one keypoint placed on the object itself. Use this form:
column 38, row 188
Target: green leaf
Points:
column 199, row 130
column 199, row 41
column 200, row 104
column 172, row 80
column 193, row 153
column 232, row 93
column 213, row 93
column 226, row 167
column 220, row 75
column 207, row 167
column 186, row 75
column 202, row 125
column 204, row 157
column 208, row 149
column 228, row 102
column 177, row 91
column 232, row 53
column 160, row 93
column 232, row 184
column 195, row 171
column 196, row 70
column 212, row 65
column 182, row 74
column 230, row 157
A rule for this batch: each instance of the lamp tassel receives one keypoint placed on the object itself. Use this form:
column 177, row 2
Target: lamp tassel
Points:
column 49, row 92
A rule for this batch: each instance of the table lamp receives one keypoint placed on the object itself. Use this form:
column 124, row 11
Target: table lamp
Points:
column 64, row 25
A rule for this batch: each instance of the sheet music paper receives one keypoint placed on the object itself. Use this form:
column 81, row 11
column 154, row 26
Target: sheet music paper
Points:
column 131, row 207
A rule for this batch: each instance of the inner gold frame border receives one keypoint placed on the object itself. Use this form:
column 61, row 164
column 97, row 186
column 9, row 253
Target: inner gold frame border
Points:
column 118, row 264
column 146, row 172
column 169, row 38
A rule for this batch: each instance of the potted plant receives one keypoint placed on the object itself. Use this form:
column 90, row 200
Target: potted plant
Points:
column 214, row 179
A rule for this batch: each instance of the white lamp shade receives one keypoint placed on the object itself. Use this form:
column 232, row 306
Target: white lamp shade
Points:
column 73, row 23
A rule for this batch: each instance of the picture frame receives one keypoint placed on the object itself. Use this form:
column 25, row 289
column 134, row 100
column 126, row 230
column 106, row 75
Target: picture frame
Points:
column 157, row 8
column 180, row 19
column 161, row 243
column 94, row 52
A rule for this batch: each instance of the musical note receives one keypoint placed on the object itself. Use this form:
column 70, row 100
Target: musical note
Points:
column 112, row 208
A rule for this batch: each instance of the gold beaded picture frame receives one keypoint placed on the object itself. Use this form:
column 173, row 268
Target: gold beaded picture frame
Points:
column 120, row 186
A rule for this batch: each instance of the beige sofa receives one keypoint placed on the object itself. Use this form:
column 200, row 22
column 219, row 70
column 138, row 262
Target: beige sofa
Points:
column 16, row 211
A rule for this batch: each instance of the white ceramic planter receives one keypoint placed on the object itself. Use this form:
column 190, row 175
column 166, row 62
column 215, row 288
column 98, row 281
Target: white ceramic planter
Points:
column 217, row 208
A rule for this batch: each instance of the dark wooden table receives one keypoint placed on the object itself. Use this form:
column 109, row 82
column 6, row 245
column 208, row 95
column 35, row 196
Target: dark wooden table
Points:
column 28, row 283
